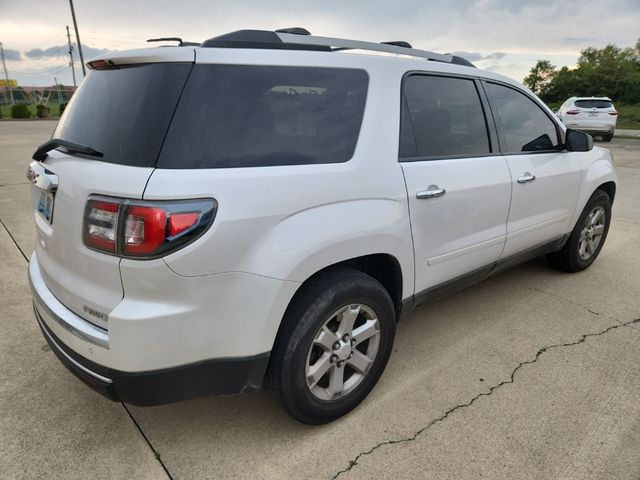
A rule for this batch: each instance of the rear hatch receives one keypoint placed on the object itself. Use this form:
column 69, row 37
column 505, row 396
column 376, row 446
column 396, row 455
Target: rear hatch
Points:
column 122, row 110
column 593, row 112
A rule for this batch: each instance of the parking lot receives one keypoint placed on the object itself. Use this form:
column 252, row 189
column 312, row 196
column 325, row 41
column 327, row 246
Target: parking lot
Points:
column 532, row 374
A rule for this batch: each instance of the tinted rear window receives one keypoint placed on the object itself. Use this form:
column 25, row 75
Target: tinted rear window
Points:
column 593, row 104
column 124, row 113
column 253, row 116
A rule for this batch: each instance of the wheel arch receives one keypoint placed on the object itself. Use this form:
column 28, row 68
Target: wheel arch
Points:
column 609, row 188
column 383, row 267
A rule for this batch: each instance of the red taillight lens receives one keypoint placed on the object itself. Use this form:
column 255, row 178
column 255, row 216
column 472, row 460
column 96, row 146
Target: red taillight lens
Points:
column 573, row 112
column 100, row 225
column 144, row 230
column 181, row 222
column 613, row 113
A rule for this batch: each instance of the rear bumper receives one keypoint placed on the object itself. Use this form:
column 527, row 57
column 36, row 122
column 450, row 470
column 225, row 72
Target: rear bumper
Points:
column 81, row 346
column 593, row 129
column 212, row 377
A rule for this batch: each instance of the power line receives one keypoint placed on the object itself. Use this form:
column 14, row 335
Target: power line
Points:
column 46, row 71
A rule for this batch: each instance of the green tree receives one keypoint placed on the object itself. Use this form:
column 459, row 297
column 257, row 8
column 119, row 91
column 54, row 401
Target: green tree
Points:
column 540, row 76
column 610, row 71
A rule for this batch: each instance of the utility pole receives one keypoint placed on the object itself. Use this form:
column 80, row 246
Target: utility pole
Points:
column 6, row 75
column 75, row 26
column 73, row 70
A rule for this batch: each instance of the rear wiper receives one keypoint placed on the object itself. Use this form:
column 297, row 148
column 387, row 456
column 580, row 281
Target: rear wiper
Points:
column 41, row 152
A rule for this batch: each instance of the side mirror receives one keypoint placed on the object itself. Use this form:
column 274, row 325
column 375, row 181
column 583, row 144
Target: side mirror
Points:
column 578, row 141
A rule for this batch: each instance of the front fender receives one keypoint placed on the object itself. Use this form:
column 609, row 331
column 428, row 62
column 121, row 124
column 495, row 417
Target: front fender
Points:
column 597, row 167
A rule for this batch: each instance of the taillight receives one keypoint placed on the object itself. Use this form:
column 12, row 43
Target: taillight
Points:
column 573, row 112
column 141, row 229
column 100, row 225
column 613, row 113
column 144, row 229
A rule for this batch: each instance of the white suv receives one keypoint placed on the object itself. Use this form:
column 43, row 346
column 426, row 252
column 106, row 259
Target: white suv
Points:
column 261, row 209
column 594, row 115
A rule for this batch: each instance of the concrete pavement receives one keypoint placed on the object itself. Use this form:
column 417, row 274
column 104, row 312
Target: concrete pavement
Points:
column 534, row 373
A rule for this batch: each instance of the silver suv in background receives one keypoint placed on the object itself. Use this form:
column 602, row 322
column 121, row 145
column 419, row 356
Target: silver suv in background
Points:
column 593, row 115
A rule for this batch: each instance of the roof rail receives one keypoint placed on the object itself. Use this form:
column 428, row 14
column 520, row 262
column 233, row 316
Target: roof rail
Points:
column 297, row 38
column 343, row 43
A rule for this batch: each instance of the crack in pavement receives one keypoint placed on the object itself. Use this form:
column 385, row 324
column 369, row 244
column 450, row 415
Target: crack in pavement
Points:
column 555, row 295
column 14, row 184
column 13, row 240
column 156, row 454
column 511, row 379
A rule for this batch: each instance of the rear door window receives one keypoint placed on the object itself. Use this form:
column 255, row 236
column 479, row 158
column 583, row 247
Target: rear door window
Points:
column 255, row 116
column 124, row 112
column 445, row 116
column 522, row 124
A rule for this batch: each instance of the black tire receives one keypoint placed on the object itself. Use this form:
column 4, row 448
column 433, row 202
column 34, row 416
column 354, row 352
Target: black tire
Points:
column 313, row 305
column 608, row 137
column 568, row 259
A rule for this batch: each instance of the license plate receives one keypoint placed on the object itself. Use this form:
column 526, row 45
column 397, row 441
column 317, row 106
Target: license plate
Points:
column 45, row 205
column 593, row 114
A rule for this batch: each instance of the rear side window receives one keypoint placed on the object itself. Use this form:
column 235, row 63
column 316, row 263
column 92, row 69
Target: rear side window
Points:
column 125, row 112
column 445, row 116
column 255, row 116
column 593, row 104
column 522, row 125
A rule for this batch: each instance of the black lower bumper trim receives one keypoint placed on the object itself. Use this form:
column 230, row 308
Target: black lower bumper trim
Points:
column 158, row 387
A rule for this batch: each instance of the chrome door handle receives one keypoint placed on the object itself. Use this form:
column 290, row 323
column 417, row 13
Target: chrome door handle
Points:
column 526, row 178
column 432, row 192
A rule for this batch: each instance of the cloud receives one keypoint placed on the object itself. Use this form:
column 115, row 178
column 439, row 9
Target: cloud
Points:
column 10, row 54
column 495, row 56
column 476, row 56
column 62, row 51
column 578, row 40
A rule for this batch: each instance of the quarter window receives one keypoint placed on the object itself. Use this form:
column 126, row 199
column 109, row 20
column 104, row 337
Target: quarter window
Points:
column 444, row 116
column 523, row 126
column 257, row 116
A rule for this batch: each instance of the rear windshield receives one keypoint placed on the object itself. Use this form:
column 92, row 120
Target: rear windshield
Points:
column 253, row 116
column 593, row 104
column 124, row 113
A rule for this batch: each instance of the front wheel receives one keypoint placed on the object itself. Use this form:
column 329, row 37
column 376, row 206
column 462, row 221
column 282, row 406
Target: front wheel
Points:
column 587, row 237
column 333, row 345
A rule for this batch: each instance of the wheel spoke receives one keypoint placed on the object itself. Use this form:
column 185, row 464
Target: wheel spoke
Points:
column 349, row 317
column 360, row 362
column 316, row 371
column 595, row 216
column 582, row 246
column 326, row 338
column 592, row 247
column 598, row 230
column 366, row 330
column 336, row 381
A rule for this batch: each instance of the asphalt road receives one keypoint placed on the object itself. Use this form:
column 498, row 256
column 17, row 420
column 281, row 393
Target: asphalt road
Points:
column 533, row 374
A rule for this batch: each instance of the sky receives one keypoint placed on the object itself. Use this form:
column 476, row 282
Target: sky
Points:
column 505, row 36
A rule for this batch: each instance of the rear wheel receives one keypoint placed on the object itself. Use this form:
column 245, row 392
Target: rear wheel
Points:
column 333, row 346
column 608, row 137
column 587, row 237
